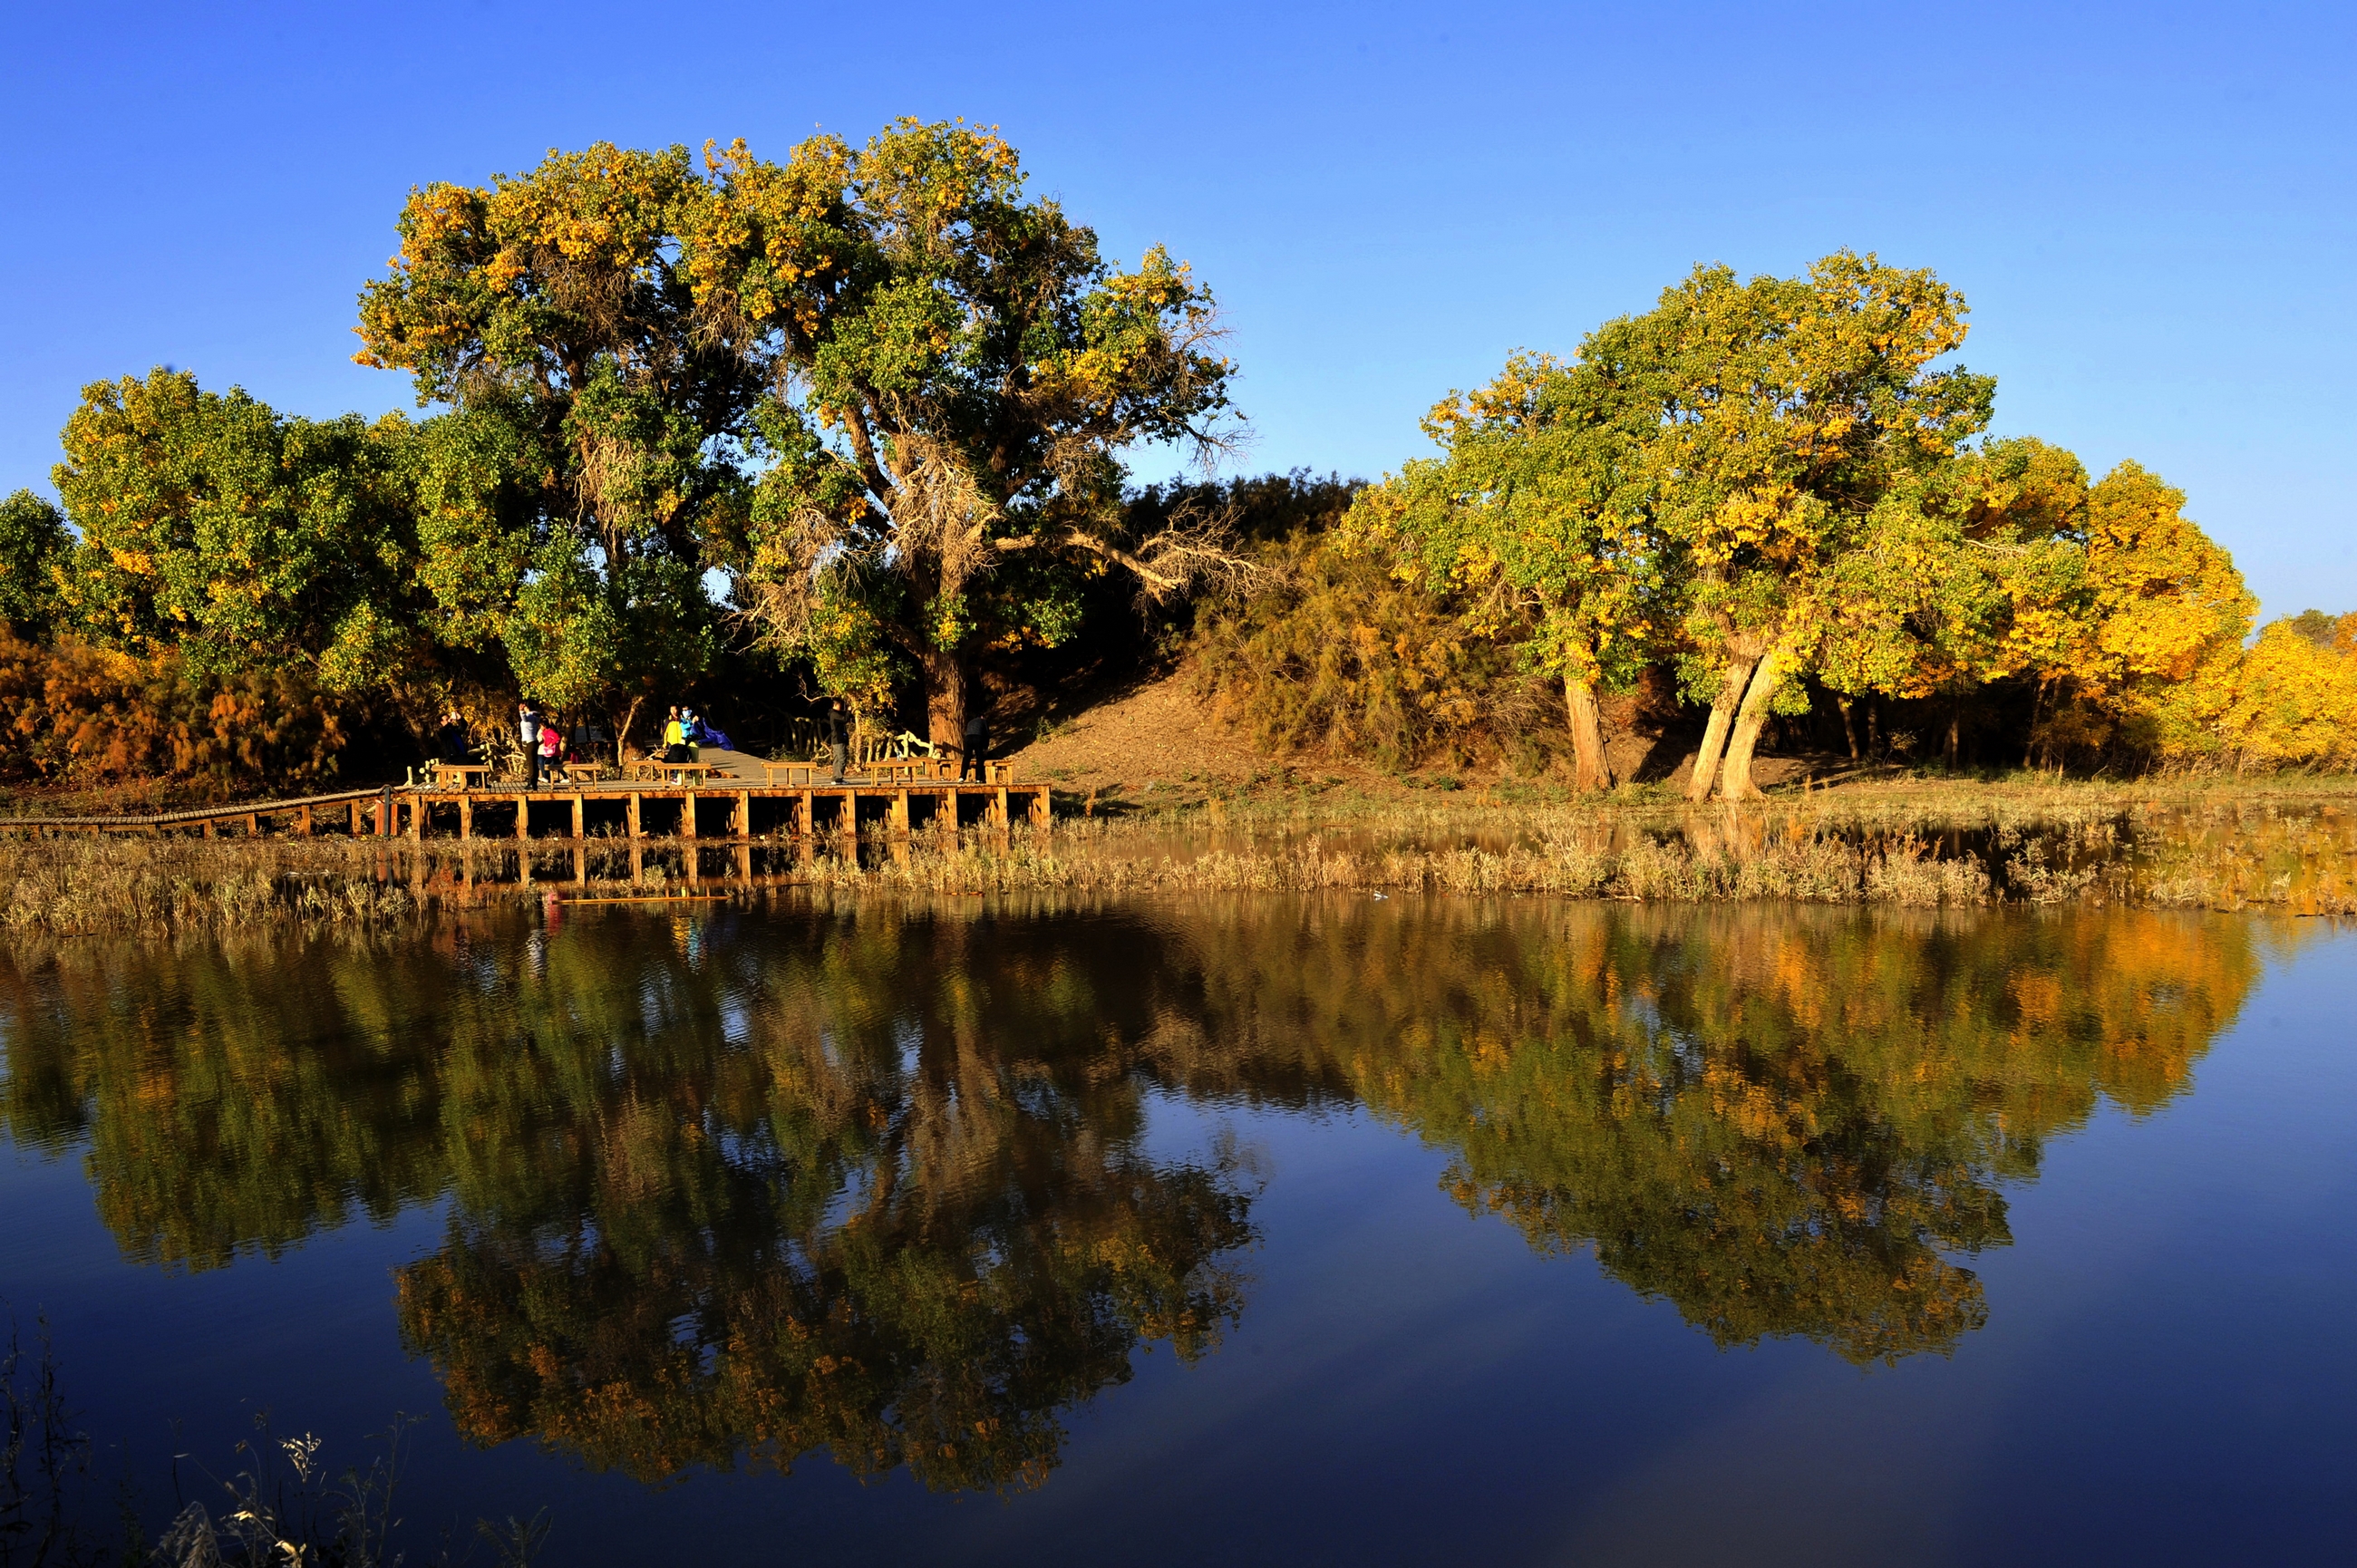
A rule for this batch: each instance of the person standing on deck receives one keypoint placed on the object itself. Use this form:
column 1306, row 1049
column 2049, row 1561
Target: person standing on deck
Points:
column 528, row 731
column 836, row 744
column 976, row 742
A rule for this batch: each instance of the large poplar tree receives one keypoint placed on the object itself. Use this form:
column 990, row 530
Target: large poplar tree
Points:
column 601, row 419
column 956, row 370
column 880, row 385
column 1782, row 410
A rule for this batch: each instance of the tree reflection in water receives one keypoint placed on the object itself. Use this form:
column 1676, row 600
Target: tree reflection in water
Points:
column 876, row 1181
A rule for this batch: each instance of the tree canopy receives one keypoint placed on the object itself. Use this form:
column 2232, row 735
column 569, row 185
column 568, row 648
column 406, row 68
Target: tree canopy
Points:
column 245, row 540
column 956, row 370
column 33, row 547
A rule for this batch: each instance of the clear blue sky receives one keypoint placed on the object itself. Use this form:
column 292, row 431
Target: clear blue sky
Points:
column 2149, row 207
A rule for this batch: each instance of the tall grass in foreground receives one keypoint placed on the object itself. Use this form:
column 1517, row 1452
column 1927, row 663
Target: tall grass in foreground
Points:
column 2293, row 852
column 285, row 1507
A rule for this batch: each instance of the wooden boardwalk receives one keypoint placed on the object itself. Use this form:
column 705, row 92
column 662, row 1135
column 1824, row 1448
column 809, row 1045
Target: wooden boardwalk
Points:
column 724, row 810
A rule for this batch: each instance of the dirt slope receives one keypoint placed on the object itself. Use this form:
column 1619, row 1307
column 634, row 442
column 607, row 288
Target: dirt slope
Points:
column 1157, row 731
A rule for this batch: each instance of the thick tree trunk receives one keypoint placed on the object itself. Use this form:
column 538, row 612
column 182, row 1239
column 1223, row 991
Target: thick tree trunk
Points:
column 1722, row 713
column 1736, row 783
column 1849, row 728
column 1873, row 727
column 1956, row 727
column 1586, row 736
column 948, row 690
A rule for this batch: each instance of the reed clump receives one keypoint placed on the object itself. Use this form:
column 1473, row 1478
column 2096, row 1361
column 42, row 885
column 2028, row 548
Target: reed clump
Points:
column 1815, row 869
column 72, row 887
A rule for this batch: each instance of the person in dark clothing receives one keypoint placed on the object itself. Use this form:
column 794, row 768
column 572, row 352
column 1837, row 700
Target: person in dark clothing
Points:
column 450, row 741
column 978, row 742
column 528, row 732
column 837, row 742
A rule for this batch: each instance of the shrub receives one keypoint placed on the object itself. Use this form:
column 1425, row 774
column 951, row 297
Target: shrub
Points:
column 1327, row 651
column 75, row 713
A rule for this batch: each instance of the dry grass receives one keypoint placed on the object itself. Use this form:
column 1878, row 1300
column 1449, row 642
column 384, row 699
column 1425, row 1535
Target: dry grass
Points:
column 67, row 886
column 2288, row 844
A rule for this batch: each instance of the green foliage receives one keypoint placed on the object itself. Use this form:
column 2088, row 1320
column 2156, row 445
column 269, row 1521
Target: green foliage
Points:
column 2325, row 632
column 245, row 542
column 961, row 370
column 34, row 545
column 591, row 470
column 1776, row 413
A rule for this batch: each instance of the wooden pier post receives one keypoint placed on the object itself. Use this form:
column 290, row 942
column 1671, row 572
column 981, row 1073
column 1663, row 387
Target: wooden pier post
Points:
column 254, row 824
column 900, row 813
column 634, row 831
column 740, row 820
column 687, row 814
column 998, row 808
column 416, row 817
column 523, row 817
column 465, row 818
column 303, row 821
column 355, row 817
column 805, row 816
column 209, row 827
column 579, row 811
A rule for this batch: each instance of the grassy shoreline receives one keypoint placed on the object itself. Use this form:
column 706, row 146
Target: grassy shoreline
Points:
column 2287, row 846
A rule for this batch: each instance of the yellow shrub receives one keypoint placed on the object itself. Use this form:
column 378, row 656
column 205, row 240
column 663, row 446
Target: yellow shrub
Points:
column 72, row 713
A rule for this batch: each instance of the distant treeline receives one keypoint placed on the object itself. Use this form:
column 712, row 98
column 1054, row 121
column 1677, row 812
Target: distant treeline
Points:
column 854, row 423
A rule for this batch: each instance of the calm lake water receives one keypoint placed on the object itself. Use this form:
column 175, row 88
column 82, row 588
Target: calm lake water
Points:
column 1247, row 1230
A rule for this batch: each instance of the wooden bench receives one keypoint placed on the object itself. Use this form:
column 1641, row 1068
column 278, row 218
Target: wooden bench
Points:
column 461, row 774
column 897, row 769
column 659, row 771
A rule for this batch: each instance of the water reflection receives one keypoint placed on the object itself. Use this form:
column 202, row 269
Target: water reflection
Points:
column 1784, row 1120
column 740, row 1187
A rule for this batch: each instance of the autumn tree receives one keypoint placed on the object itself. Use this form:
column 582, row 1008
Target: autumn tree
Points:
column 34, row 543
column 1535, row 519
column 600, row 425
column 1779, row 412
column 956, row 370
column 1961, row 575
column 2134, row 634
column 244, row 538
column 2326, row 633
column 2293, row 698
